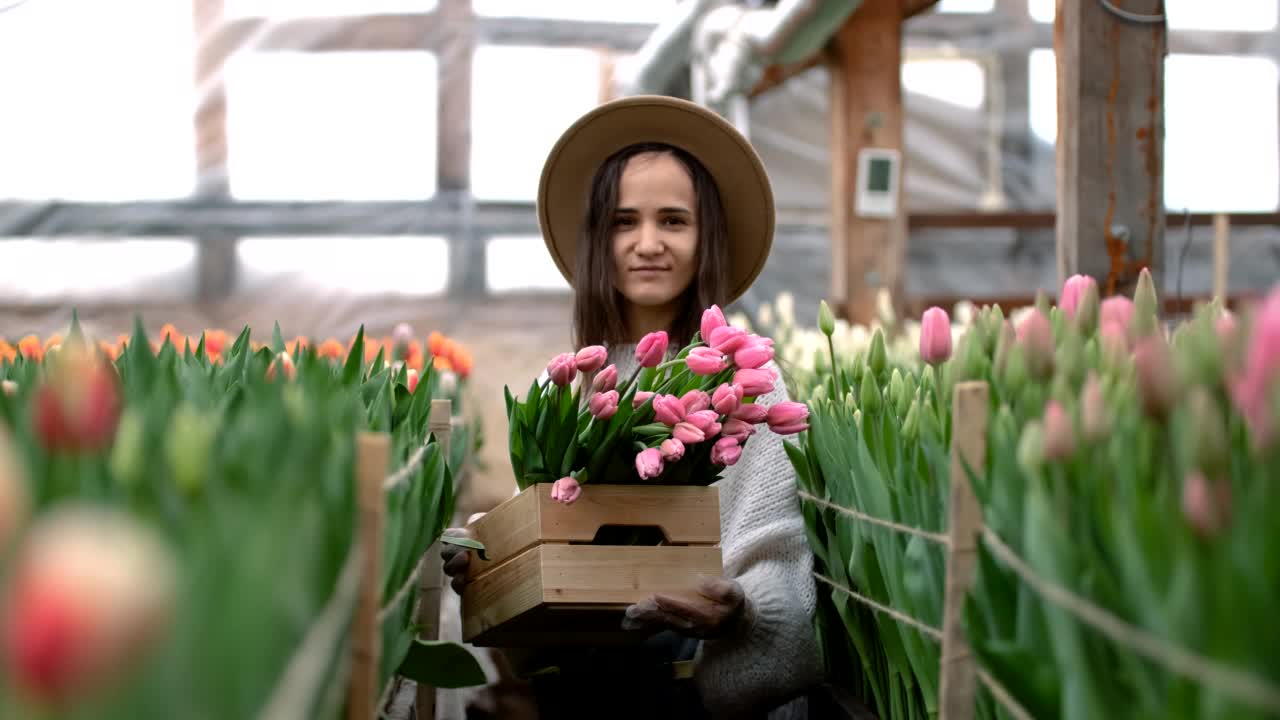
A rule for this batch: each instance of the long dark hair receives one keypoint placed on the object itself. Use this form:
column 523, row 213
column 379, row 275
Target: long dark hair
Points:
column 597, row 305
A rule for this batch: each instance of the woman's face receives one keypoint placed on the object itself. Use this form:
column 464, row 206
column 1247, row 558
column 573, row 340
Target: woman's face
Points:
column 655, row 231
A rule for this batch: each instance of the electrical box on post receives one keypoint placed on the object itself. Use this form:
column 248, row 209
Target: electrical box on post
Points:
column 877, row 183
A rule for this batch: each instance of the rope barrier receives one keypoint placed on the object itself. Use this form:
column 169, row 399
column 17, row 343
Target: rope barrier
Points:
column 939, row 538
column 400, row 594
column 1242, row 686
column 901, row 617
column 1004, row 697
column 414, row 463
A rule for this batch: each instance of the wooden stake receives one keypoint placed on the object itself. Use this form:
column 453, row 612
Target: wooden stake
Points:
column 964, row 522
column 373, row 450
column 430, row 572
column 1221, row 256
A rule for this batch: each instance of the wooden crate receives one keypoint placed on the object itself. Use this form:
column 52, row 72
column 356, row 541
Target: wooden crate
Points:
column 545, row 583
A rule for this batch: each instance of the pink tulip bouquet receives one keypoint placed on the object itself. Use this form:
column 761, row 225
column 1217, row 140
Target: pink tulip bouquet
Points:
column 677, row 421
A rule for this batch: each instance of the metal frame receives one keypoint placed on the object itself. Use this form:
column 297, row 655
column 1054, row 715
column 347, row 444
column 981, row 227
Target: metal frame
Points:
column 452, row 31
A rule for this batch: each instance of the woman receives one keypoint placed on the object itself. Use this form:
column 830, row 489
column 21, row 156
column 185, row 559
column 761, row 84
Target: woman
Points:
column 679, row 217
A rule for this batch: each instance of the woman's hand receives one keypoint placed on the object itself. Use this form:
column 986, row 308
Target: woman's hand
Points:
column 719, row 610
column 457, row 559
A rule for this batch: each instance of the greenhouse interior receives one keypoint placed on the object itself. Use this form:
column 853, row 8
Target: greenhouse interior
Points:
column 606, row 358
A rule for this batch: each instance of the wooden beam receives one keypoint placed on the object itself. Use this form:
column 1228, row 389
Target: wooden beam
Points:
column 777, row 75
column 1111, row 213
column 915, row 305
column 211, row 100
column 456, row 31
column 868, row 113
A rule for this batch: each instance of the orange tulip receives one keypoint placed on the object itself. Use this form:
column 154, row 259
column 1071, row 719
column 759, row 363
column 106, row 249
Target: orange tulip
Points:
column 435, row 341
column 215, row 341
column 31, row 348
column 442, row 363
column 8, row 353
column 331, row 349
column 108, row 350
column 52, row 341
column 170, row 333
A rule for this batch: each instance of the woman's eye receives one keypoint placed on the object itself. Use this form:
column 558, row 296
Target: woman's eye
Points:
column 623, row 222
column 675, row 221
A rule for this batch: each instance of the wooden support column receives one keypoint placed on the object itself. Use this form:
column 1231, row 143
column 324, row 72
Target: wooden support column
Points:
column 455, row 43
column 216, row 252
column 866, row 111
column 1110, row 168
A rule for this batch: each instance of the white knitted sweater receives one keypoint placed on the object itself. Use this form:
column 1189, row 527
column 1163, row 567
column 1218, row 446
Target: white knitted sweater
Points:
column 765, row 549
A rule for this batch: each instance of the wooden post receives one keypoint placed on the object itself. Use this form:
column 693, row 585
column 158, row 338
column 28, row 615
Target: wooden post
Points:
column 1110, row 170
column 1221, row 256
column 964, row 522
column 373, row 450
column 866, row 111
column 430, row 571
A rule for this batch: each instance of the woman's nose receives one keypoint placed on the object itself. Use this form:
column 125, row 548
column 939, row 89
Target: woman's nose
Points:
column 650, row 242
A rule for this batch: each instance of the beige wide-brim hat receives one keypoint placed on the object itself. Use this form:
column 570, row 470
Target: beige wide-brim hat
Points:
column 744, row 187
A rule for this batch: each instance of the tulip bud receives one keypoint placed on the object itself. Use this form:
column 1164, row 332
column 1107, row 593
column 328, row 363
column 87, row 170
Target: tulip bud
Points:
column 604, row 405
column 1073, row 292
column 930, row 423
column 1118, row 310
column 92, row 593
column 971, row 362
column 752, row 413
column 128, row 452
column 1206, row 506
column 1015, row 373
column 712, row 319
column 755, row 382
column 935, row 336
column 671, row 449
column 728, row 339
column 640, row 398
column 911, row 425
column 668, row 409
column 877, row 355
column 1035, row 337
column 869, row 399
column 562, row 369
column 566, row 490
column 727, row 398
column 188, row 444
column 788, row 418
column 1088, row 310
column 753, row 355
column 1206, row 434
column 688, row 433
column 13, row 490
column 78, row 405
column 651, row 349
column 591, row 358
column 850, row 402
column 858, row 368
column 826, row 320
column 1146, row 311
column 1095, row 424
column 991, row 333
column 695, row 401
column 1069, row 359
column 9, row 388
column 1006, row 340
column 726, row 452
column 898, row 393
column 1031, row 448
column 1059, row 435
column 649, row 463
column 1157, row 381
column 605, row 380
column 1258, row 373
column 282, row 365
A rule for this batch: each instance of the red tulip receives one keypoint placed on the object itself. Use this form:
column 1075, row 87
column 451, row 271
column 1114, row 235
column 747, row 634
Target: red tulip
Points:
column 78, row 405
column 412, row 379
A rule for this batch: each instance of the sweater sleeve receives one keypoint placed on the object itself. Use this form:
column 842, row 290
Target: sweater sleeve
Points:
column 765, row 549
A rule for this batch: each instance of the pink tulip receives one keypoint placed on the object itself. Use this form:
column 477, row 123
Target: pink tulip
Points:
column 649, row 463
column 728, row 339
column 1073, row 291
column 605, row 380
column 695, row 400
column 688, row 433
column 672, row 450
column 1059, row 435
column 652, row 349
column 1119, row 310
column 727, row 398
column 786, row 416
column 411, row 380
column 591, row 358
column 706, row 361
column 566, row 490
column 562, row 369
column 935, row 336
column 751, row 413
column 704, row 420
column 402, row 335
column 753, row 356
column 640, row 398
column 604, row 405
column 1206, row 506
column 712, row 318
column 1225, row 327
column 737, row 429
column 668, row 410
column 1035, row 335
column 726, row 451
column 1094, row 423
column 1252, row 389
column 755, row 382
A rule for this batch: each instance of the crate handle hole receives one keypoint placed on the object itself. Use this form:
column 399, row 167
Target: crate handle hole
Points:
column 629, row 535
